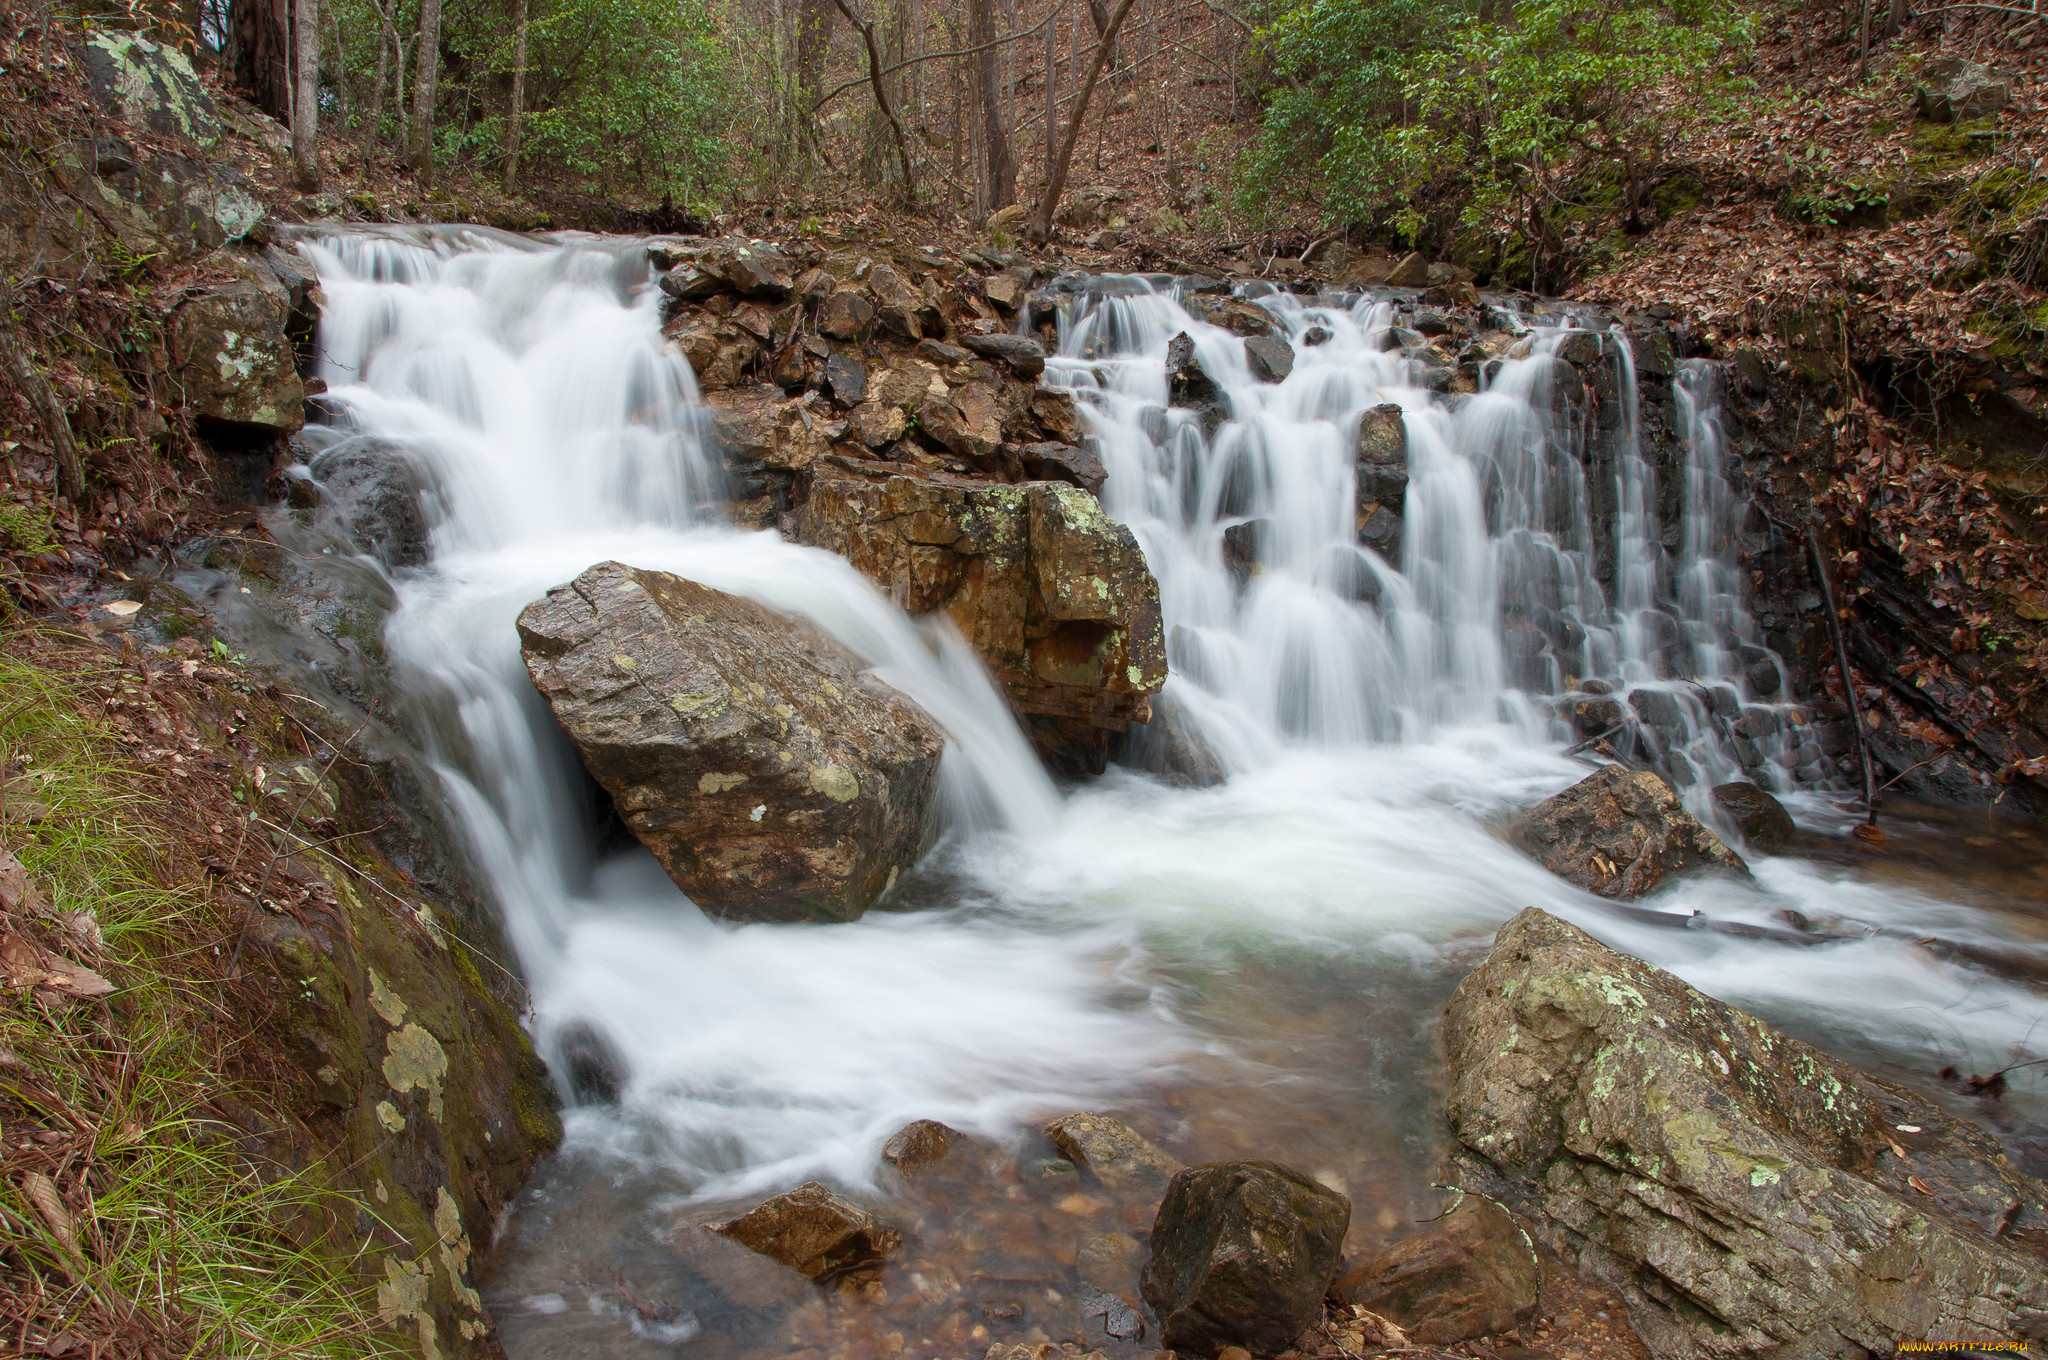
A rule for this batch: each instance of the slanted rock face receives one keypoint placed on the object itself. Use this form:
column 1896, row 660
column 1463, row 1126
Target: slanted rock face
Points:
column 1242, row 1253
column 234, row 362
column 1052, row 593
column 1619, row 833
column 768, row 774
column 1743, row 1192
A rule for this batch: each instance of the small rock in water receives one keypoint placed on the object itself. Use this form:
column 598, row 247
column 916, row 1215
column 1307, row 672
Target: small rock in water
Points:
column 1619, row 833
column 1762, row 819
column 1187, row 383
column 814, row 1232
column 1116, row 1155
column 1114, row 1315
column 1242, row 1254
column 919, row 1144
column 595, row 1070
column 1271, row 358
column 1474, row 1273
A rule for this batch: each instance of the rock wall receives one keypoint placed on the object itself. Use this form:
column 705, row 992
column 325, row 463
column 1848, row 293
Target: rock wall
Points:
column 881, row 408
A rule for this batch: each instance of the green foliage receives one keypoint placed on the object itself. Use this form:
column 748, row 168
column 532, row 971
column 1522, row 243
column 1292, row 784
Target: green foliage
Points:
column 1392, row 110
column 632, row 94
column 27, row 528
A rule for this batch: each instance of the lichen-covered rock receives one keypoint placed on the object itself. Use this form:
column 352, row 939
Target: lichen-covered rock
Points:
column 1619, row 833
column 770, row 776
column 814, row 1232
column 1761, row 819
column 1242, row 1253
column 234, row 363
column 1052, row 593
column 149, row 85
column 1115, row 1154
column 1744, row 1193
column 1953, row 90
column 1474, row 1272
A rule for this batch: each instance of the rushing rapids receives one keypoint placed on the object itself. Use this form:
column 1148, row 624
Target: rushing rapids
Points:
column 1246, row 969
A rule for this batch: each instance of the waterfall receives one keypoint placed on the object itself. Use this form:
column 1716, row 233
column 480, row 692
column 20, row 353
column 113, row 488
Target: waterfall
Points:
column 1248, row 969
column 1491, row 605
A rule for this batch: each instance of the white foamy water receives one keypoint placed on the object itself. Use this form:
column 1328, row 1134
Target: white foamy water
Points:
column 1381, row 717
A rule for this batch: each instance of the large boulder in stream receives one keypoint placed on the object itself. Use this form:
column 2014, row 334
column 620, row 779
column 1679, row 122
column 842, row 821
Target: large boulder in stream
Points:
column 772, row 778
column 1619, row 833
column 1745, row 1194
column 1053, row 594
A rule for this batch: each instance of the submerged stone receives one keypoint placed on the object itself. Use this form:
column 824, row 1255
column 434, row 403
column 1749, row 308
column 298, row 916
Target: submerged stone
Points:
column 1114, row 1153
column 1473, row 1273
column 814, row 1232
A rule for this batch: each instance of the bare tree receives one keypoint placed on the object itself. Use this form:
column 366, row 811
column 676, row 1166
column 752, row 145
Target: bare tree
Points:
column 1000, row 176
column 306, row 106
column 420, row 151
column 1041, row 221
column 880, row 84
column 516, row 124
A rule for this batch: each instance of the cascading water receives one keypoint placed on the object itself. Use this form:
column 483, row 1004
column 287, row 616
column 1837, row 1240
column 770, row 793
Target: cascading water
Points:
column 1243, row 970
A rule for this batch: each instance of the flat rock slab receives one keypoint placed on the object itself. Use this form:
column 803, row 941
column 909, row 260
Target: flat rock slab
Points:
column 1621, row 832
column 1745, row 1194
column 772, row 778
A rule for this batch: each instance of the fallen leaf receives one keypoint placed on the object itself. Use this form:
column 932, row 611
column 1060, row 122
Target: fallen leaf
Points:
column 15, row 889
column 1918, row 1184
column 121, row 609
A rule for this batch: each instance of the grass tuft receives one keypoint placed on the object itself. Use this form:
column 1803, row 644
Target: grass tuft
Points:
column 150, row 1201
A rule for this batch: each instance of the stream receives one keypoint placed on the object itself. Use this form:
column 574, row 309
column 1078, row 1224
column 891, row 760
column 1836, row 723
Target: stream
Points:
column 1252, row 969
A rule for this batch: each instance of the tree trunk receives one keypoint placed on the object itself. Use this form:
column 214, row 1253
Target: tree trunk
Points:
column 1041, row 223
column 1896, row 18
column 306, row 105
column 421, row 148
column 515, row 132
column 375, row 120
column 1098, row 11
column 813, row 44
column 258, row 43
column 42, row 399
column 1000, row 174
column 1052, row 97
